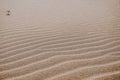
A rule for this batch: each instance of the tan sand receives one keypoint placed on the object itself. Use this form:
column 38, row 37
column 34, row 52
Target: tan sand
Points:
column 60, row 40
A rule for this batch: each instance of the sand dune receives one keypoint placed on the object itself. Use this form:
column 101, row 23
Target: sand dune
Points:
column 75, row 40
column 93, row 56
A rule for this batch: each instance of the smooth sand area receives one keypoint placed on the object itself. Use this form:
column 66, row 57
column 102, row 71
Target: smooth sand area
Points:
column 60, row 40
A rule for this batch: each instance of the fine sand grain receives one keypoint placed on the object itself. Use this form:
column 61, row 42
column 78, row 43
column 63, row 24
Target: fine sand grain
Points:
column 60, row 40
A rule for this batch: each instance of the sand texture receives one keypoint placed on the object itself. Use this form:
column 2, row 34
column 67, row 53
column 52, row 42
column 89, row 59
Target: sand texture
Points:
column 73, row 40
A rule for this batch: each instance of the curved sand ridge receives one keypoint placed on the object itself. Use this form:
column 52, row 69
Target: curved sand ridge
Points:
column 46, row 54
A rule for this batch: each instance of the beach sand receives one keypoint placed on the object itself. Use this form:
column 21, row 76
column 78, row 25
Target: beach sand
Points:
column 60, row 40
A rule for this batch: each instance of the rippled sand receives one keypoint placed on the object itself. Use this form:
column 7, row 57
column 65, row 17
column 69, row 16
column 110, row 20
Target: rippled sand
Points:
column 60, row 40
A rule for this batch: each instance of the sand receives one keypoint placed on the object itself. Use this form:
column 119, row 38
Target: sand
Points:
column 76, row 40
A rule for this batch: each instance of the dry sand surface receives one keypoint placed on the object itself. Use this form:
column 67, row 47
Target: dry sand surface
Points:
column 60, row 40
